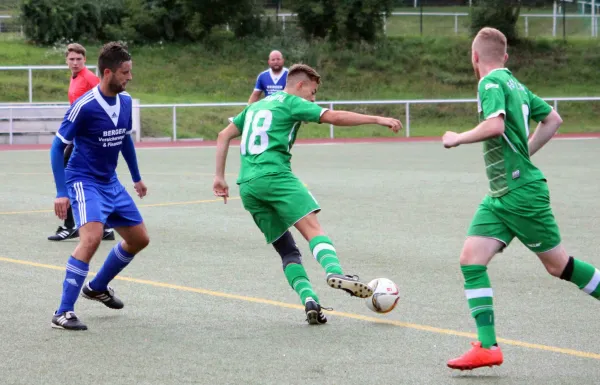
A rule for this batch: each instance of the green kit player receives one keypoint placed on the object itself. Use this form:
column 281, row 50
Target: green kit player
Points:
column 270, row 191
column 518, row 201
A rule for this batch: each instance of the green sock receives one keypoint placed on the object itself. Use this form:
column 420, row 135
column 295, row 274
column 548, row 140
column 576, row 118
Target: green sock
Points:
column 480, row 298
column 324, row 252
column 298, row 280
column 586, row 277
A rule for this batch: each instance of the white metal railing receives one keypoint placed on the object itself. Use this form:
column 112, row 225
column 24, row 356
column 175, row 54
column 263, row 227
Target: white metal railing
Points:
column 330, row 104
column 526, row 16
column 30, row 69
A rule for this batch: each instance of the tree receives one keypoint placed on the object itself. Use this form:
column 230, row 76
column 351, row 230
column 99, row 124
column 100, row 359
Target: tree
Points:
column 342, row 20
column 500, row 14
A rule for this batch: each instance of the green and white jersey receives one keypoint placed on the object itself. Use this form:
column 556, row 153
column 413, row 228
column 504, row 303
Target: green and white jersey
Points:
column 507, row 161
column 269, row 128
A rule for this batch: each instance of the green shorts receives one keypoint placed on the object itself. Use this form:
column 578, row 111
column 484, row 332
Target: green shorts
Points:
column 524, row 213
column 277, row 202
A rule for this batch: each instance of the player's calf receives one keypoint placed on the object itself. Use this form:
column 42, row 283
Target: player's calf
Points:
column 584, row 275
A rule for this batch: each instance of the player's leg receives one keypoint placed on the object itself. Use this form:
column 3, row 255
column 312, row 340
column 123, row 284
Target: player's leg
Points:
column 558, row 263
column 487, row 235
column 535, row 225
column 128, row 222
column 68, row 230
column 89, row 216
column 298, row 279
column 276, row 232
column 296, row 206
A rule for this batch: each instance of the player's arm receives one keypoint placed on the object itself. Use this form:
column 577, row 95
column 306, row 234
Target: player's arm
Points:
column 258, row 90
column 304, row 111
column 493, row 107
column 130, row 156
column 254, row 96
column 220, row 187
column 57, row 163
column 64, row 136
column 548, row 123
column 347, row 118
column 487, row 129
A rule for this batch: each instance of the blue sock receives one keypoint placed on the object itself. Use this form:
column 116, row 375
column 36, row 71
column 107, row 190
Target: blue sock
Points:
column 115, row 262
column 76, row 273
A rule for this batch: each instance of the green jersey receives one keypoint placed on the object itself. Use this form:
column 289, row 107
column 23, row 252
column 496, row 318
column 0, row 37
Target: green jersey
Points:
column 507, row 161
column 269, row 128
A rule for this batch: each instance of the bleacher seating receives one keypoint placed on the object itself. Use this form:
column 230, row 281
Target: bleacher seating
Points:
column 31, row 125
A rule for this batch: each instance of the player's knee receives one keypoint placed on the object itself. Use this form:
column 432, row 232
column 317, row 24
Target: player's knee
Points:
column 144, row 241
column 287, row 249
column 90, row 241
column 141, row 242
column 294, row 257
column 467, row 255
column 554, row 270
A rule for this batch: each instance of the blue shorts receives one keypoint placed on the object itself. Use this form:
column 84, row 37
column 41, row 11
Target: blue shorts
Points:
column 111, row 205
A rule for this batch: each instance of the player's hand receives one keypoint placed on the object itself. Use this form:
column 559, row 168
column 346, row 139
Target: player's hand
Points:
column 61, row 205
column 450, row 139
column 140, row 189
column 220, row 188
column 391, row 123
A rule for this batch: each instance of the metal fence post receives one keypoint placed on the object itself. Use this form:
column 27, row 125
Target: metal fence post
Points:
column 554, row 19
column 30, row 87
column 331, row 125
column 174, row 123
column 555, row 105
column 136, row 120
column 10, row 127
column 407, row 128
column 456, row 24
column 526, row 26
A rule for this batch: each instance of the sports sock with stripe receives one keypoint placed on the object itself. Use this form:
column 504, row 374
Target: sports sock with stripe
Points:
column 74, row 278
column 298, row 280
column 324, row 252
column 116, row 261
column 584, row 275
column 478, row 291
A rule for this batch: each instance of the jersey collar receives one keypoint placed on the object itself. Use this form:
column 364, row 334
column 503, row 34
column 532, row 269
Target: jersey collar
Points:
column 276, row 78
column 111, row 111
column 494, row 70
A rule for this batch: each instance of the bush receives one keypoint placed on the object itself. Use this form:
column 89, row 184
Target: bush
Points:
column 51, row 21
column 342, row 20
column 500, row 14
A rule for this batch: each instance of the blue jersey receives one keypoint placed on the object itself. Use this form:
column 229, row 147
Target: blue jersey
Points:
column 269, row 83
column 97, row 125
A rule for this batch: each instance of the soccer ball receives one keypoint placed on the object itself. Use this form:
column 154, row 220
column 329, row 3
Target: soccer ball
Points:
column 385, row 295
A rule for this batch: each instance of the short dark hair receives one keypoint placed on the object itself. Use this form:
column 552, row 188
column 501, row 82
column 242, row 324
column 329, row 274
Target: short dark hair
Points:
column 112, row 55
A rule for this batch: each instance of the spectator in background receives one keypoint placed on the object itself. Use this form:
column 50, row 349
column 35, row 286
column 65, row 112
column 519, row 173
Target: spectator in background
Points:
column 271, row 80
column 82, row 80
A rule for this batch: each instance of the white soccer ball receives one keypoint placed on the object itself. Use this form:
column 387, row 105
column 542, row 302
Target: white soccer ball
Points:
column 385, row 295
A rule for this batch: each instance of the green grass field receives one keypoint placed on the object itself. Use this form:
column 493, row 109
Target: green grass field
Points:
column 207, row 303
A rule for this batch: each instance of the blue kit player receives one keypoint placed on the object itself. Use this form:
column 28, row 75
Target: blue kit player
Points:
column 99, row 124
column 272, row 80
